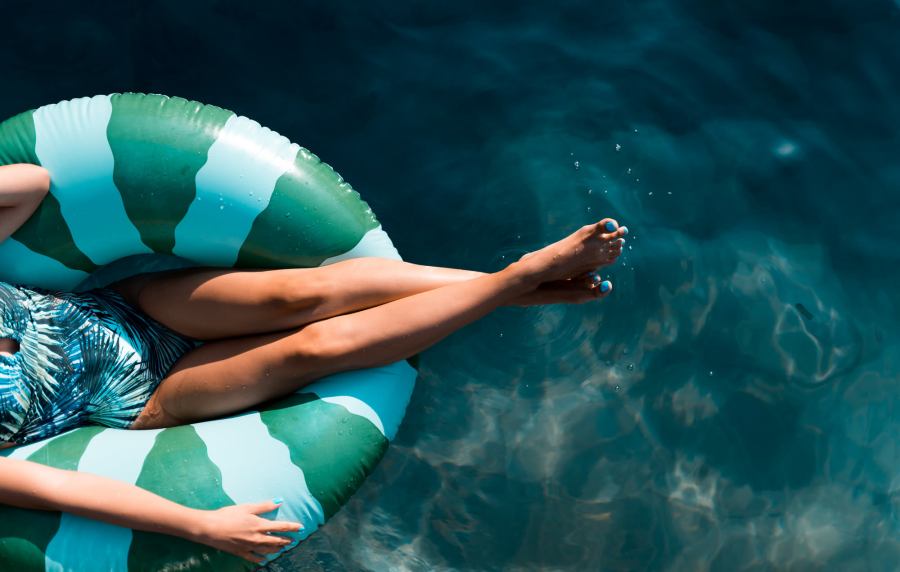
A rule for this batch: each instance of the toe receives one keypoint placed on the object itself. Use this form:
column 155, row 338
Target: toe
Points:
column 608, row 225
column 604, row 288
column 615, row 234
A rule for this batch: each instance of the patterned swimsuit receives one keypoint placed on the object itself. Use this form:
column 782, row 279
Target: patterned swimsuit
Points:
column 82, row 358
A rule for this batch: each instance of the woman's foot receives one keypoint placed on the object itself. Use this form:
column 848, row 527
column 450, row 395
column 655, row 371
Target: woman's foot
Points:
column 577, row 290
column 586, row 249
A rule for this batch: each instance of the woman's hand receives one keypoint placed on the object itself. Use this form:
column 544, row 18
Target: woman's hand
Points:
column 240, row 531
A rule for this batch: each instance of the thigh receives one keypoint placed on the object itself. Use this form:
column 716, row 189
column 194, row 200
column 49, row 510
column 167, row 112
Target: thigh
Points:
column 214, row 303
column 227, row 376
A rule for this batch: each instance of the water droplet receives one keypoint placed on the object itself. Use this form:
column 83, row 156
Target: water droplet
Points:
column 518, row 236
column 629, row 170
column 650, row 194
column 589, row 209
column 577, row 165
column 670, row 192
column 635, row 130
column 590, row 191
column 618, row 147
column 710, row 373
column 631, row 367
column 501, row 334
column 785, row 149
column 221, row 207
column 617, row 387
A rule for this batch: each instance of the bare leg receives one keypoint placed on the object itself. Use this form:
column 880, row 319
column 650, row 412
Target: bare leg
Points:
column 211, row 304
column 230, row 375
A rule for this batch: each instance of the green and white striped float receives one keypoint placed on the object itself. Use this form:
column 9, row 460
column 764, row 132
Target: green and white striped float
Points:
column 147, row 182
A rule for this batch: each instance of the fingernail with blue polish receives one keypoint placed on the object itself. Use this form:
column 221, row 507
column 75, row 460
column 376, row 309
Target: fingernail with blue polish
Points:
column 610, row 226
column 605, row 286
column 278, row 500
column 624, row 230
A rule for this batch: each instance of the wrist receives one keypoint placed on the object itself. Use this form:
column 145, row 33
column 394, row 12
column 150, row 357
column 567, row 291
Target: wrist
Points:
column 195, row 525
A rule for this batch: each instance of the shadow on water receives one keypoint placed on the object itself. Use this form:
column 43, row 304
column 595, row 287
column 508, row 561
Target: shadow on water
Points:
column 733, row 405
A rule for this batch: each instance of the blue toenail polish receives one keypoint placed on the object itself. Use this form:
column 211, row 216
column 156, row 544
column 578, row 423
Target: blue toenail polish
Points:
column 278, row 500
column 624, row 230
column 610, row 226
column 605, row 286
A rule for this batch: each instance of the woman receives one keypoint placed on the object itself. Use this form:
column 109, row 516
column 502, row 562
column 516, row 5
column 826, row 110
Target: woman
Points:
column 208, row 342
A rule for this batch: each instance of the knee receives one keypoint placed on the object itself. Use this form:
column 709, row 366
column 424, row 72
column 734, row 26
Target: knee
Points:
column 156, row 415
column 334, row 345
column 323, row 341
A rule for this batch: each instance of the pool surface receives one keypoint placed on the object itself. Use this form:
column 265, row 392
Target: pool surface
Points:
column 734, row 405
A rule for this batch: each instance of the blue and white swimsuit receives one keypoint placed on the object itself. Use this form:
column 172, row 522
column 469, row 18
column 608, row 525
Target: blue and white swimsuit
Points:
column 83, row 358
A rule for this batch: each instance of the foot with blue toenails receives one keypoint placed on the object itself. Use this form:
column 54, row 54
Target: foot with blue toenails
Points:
column 570, row 265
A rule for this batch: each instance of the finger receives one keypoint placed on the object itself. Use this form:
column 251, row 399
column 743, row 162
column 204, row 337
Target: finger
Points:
column 281, row 526
column 265, row 506
column 252, row 557
column 270, row 540
column 267, row 550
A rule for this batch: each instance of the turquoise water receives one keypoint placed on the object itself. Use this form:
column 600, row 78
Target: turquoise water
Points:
column 733, row 405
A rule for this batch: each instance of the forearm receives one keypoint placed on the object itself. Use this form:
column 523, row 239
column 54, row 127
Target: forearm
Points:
column 29, row 485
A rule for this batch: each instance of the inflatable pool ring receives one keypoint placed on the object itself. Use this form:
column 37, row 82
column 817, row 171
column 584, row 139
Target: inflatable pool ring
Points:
column 148, row 182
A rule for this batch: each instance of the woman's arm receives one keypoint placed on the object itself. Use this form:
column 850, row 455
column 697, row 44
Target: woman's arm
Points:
column 235, row 529
column 22, row 188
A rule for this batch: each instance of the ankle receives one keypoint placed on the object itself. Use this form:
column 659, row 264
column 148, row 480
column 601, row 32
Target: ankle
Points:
column 522, row 277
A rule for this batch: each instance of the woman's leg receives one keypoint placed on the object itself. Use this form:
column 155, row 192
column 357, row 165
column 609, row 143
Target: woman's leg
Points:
column 230, row 375
column 214, row 303
column 211, row 304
